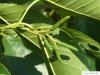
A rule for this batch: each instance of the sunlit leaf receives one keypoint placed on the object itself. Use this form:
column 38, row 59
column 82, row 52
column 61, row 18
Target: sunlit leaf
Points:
column 88, row 8
column 13, row 46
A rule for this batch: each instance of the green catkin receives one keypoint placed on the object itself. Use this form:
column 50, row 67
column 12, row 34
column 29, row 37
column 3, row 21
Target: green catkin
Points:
column 55, row 50
column 57, row 55
column 60, row 22
column 51, row 49
column 47, row 44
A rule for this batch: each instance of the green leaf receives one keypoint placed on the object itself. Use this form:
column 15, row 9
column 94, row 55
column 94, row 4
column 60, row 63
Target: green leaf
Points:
column 84, row 40
column 30, row 37
column 1, row 47
column 11, row 12
column 72, row 64
column 81, row 37
column 88, row 8
column 93, row 51
column 3, row 70
column 85, row 25
column 36, row 15
column 14, row 1
column 13, row 46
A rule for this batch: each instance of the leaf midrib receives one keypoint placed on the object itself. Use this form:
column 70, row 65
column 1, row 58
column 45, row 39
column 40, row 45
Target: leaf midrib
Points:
column 76, row 12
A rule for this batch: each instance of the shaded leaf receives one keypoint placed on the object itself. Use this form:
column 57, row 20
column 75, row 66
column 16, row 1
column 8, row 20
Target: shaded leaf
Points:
column 84, row 40
column 11, row 12
column 81, row 37
column 30, row 65
column 36, row 15
column 3, row 70
column 87, row 26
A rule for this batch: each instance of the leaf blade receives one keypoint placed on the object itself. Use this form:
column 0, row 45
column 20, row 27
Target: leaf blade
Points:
column 14, row 47
column 4, row 70
column 79, row 7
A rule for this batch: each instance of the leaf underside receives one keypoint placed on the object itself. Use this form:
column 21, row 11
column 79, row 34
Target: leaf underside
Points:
column 88, row 8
